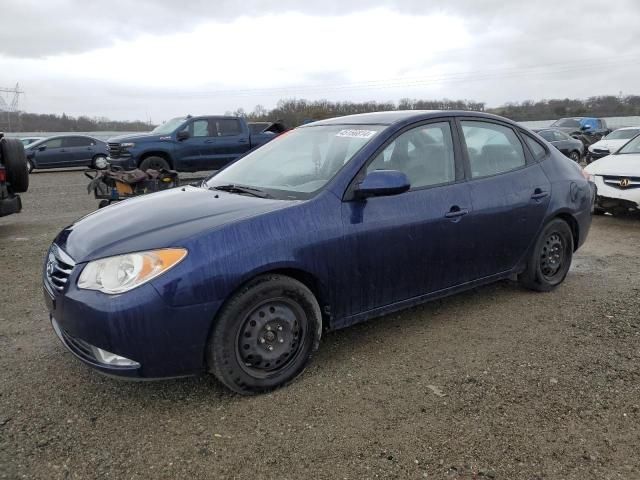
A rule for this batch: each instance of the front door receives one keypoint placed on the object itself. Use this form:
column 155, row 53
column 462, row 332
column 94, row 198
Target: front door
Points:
column 407, row 245
column 509, row 191
column 51, row 154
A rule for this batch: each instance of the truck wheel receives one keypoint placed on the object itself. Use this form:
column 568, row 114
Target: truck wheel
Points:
column 154, row 163
column 265, row 335
column 16, row 164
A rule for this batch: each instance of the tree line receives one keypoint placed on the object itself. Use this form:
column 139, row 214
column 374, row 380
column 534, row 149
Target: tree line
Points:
column 294, row 112
column 39, row 122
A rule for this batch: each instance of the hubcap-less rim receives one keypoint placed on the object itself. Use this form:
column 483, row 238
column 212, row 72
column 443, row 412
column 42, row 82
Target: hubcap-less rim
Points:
column 552, row 255
column 271, row 337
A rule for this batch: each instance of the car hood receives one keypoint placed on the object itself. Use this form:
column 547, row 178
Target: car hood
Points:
column 136, row 137
column 626, row 164
column 611, row 145
column 158, row 220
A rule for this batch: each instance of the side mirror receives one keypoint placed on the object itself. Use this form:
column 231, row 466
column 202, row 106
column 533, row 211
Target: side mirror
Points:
column 183, row 135
column 42, row 148
column 585, row 127
column 381, row 183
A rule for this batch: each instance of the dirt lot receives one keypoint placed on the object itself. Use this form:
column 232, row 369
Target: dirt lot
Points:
column 495, row 383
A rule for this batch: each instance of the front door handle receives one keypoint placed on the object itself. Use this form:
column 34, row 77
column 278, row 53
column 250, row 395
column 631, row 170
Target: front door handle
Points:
column 242, row 140
column 538, row 193
column 456, row 211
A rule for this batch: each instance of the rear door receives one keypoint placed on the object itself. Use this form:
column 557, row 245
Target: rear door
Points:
column 509, row 192
column 78, row 150
column 404, row 246
column 231, row 142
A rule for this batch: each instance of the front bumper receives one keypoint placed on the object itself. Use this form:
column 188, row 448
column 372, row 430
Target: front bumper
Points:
column 610, row 196
column 10, row 204
column 126, row 163
column 598, row 154
column 165, row 341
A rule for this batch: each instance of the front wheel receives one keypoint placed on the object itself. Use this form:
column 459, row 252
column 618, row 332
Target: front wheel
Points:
column 100, row 162
column 550, row 258
column 154, row 163
column 265, row 335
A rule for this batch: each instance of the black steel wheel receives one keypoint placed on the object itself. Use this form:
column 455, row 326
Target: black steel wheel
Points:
column 265, row 335
column 550, row 258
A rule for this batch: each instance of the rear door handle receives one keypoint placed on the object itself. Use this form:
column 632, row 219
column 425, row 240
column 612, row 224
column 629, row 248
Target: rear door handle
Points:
column 456, row 211
column 538, row 193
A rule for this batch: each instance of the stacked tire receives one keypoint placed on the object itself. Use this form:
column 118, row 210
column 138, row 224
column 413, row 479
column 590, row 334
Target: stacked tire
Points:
column 15, row 163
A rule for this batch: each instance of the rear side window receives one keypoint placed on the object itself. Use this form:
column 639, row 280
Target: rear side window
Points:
column 537, row 150
column 492, row 148
column 228, row 126
column 77, row 142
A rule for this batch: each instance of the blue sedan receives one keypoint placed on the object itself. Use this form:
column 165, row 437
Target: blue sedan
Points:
column 331, row 224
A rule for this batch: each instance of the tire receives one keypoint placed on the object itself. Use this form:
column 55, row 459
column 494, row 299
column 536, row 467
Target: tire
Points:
column 99, row 162
column 550, row 258
column 264, row 336
column 575, row 156
column 154, row 163
column 15, row 163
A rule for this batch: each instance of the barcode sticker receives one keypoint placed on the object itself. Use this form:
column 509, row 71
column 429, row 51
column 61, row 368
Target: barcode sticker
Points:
column 356, row 133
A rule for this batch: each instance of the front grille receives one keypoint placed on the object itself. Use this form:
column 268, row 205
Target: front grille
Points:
column 114, row 150
column 621, row 182
column 58, row 268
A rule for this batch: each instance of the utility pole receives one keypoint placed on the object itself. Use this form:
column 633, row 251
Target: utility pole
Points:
column 13, row 106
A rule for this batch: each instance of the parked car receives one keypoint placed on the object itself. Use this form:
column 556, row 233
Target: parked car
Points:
column 571, row 147
column 14, row 177
column 329, row 225
column 588, row 130
column 612, row 142
column 29, row 140
column 617, row 179
column 67, row 151
column 190, row 144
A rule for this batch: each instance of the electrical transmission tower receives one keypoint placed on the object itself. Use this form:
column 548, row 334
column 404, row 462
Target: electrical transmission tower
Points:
column 12, row 105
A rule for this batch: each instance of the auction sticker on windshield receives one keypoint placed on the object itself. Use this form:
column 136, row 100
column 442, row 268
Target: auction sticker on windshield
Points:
column 356, row 133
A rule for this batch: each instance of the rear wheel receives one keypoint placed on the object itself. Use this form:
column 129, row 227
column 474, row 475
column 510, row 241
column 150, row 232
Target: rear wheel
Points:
column 99, row 162
column 265, row 335
column 575, row 156
column 154, row 163
column 29, row 166
column 550, row 258
column 15, row 163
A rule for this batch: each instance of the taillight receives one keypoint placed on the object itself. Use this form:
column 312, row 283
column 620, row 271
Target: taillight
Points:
column 3, row 175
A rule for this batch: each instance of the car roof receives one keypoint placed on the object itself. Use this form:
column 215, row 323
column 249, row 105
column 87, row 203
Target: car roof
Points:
column 401, row 116
column 627, row 128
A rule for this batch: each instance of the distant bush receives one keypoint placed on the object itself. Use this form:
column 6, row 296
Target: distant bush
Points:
column 40, row 122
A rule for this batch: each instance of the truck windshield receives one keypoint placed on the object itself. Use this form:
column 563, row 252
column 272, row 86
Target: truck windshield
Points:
column 298, row 163
column 168, row 127
column 632, row 147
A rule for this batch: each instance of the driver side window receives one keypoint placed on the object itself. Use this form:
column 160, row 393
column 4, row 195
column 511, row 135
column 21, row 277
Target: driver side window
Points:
column 424, row 154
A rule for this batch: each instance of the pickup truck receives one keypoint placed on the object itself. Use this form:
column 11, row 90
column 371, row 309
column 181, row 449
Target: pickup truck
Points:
column 14, row 175
column 191, row 144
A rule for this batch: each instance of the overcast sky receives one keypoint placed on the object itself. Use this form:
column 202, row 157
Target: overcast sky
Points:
column 154, row 60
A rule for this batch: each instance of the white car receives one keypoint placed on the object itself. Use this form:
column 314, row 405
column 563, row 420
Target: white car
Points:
column 617, row 180
column 612, row 142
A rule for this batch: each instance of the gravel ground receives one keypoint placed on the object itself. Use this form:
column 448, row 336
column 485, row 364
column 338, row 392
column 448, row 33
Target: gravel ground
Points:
column 497, row 382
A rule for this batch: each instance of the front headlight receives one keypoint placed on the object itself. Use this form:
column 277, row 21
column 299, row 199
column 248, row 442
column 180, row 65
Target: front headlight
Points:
column 122, row 273
column 127, row 145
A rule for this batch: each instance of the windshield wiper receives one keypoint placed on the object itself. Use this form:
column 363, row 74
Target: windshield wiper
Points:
column 233, row 188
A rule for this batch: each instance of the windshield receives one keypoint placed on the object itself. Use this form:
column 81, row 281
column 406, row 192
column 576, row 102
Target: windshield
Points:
column 623, row 134
column 299, row 163
column 169, row 127
column 632, row 147
column 566, row 122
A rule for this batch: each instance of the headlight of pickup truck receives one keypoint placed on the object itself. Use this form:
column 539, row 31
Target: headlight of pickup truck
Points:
column 122, row 273
column 127, row 145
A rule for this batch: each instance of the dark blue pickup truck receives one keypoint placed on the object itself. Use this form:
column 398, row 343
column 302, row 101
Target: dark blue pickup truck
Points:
column 191, row 144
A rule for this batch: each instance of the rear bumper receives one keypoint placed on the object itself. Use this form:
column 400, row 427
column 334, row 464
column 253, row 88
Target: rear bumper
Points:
column 10, row 204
